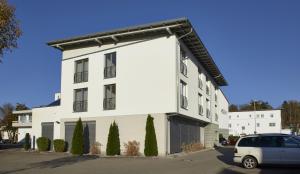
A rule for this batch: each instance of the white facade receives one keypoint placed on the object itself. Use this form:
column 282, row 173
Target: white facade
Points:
column 249, row 122
column 147, row 81
column 24, row 123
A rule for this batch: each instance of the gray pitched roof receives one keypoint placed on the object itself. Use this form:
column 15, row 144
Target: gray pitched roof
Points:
column 180, row 27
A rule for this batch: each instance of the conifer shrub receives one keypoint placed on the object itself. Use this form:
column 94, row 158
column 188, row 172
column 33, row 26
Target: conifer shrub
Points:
column 77, row 140
column 150, row 138
column 27, row 143
column 113, row 140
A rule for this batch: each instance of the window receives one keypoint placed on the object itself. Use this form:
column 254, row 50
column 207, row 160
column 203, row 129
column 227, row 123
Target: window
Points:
column 272, row 115
column 271, row 141
column 183, row 95
column 207, row 108
column 216, row 117
column 237, row 116
column 22, row 119
column 243, row 127
column 109, row 101
column 248, row 142
column 250, row 115
column 229, row 116
column 200, row 82
column 291, row 142
column 200, row 104
column 81, row 71
column 262, row 116
column 207, row 88
column 257, row 124
column 272, row 124
column 30, row 118
column 229, row 125
column 183, row 62
column 80, row 100
column 216, row 98
column 110, row 65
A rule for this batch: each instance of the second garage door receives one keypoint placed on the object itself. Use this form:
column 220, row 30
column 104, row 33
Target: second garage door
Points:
column 89, row 134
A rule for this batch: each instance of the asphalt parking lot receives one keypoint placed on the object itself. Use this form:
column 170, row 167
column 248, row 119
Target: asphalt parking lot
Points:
column 207, row 162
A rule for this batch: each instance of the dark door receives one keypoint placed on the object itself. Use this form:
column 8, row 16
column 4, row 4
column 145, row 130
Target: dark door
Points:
column 47, row 131
column 89, row 134
column 182, row 132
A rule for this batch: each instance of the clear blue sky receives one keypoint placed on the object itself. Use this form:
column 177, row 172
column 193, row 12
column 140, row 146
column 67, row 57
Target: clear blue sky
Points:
column 256, row 43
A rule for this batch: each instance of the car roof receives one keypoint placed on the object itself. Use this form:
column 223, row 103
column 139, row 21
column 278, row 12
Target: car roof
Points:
column 266, row 134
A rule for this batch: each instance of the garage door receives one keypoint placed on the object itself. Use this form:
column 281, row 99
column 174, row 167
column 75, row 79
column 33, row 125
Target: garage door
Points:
column 183, row 131
column 47, row 131
column 89, row 134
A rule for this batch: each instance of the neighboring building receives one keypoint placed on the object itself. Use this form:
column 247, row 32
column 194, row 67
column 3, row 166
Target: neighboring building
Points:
column 162, row 69
column 251, row 122
column 223, row 117
column 24, row 123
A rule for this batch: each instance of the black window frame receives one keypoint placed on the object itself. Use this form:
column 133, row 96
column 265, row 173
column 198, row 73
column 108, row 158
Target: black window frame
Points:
column 110, row 70
column 80, row 105
column 109, row 102
column 81, row 76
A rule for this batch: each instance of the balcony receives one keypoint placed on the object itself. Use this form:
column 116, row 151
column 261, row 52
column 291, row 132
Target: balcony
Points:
column 109, row 72
column 25, row 123
column 81, row 77
column 109, row 103
column 80, row 106
column 200, row 110
column 183, row 102
column 183, row 68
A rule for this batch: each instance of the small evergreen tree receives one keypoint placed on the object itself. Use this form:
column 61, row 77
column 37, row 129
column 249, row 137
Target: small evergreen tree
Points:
column 27, row 142
column 113, row 140
column 150, row 138
column 77, row 141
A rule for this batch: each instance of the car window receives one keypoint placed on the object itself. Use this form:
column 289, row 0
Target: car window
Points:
column 290, row 142
column 248, row 142
column 271, row 141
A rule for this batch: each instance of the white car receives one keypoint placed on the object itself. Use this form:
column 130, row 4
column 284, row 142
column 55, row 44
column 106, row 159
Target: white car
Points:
column 252, row 150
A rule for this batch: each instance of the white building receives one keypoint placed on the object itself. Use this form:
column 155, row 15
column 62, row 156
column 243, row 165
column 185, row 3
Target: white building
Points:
column 251, row 122
column 162, row 69
column 24, row 123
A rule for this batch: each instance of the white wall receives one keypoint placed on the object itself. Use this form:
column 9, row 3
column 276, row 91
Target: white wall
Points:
column 145, row 78
column 131, row 127
column 263, row 118
column 22, row 132
column 223, row 106
column 193, row 90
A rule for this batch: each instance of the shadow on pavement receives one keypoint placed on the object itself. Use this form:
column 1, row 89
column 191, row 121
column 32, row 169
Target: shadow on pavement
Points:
column 59, row 162
column 226, row 155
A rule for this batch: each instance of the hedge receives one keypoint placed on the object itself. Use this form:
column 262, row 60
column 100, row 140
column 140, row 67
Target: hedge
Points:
column 43, row 144
column 59, row 145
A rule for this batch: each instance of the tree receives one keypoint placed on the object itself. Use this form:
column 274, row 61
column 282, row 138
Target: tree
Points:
column 21, row 106
column 150, row 138
column 8, row 117
column 290, row 115
column 77, row 140
column 113, row 140
column 255, row 105
column 9, row 28
column 233, row 108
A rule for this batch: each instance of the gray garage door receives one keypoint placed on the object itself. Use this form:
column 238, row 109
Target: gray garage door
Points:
column 47, row 131
column 89, row 134
column 183, row 131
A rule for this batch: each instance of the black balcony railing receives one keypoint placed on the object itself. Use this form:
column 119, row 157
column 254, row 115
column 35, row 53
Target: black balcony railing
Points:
column 109, row 72
column 80, row 106
column 109, row 103
column 183, row 68
column 183, row 102
column 81, row 77
column 200, row 110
